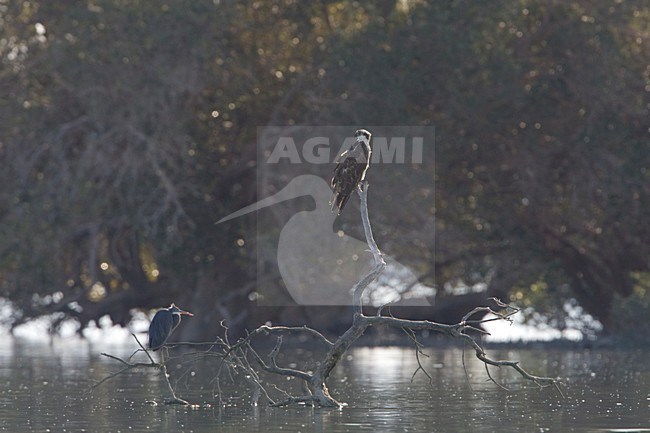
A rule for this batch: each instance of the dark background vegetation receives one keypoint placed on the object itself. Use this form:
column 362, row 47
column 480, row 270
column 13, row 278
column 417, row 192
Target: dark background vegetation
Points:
column 127, row 128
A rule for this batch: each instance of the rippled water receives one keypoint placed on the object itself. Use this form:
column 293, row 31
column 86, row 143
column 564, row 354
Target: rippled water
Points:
column 46, row 388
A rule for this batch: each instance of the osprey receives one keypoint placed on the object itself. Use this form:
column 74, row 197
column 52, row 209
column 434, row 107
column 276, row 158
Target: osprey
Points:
column 350, row 170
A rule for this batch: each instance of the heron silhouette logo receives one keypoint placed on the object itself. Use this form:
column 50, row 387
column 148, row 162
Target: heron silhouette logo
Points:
column 318, row 264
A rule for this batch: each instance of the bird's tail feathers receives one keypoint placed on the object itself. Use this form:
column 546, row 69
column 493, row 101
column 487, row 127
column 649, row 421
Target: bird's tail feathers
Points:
column 334, row 203
column 338, row 202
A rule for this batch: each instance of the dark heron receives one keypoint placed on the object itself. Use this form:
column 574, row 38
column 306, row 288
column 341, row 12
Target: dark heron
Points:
column 163, row 324
column 350, row 170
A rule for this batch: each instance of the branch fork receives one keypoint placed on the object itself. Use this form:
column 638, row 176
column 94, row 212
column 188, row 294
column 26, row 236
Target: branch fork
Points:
column 238, row 356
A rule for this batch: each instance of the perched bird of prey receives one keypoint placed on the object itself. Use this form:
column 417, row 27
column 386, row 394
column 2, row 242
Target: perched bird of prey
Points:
column 350, row 170
column 163, row 324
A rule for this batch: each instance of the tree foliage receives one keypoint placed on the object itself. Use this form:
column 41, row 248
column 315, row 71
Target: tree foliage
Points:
column 129, row 127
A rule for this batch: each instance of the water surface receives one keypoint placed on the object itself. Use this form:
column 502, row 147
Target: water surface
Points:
column 47, row 388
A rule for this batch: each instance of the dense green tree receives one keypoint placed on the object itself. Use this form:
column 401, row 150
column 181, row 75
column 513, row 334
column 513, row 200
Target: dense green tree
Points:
column 129, row 127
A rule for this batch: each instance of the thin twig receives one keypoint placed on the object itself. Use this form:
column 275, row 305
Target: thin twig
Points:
column 418, row 351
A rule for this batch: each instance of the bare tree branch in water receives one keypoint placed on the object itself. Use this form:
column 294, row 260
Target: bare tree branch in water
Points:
column 129, row 365
column 316, row 387
column 247, row 360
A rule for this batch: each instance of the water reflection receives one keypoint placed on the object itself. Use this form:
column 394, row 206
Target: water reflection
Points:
column 45, row 388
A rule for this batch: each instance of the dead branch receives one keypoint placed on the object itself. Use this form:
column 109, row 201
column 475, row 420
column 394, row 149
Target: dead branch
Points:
column 243, row 358
column 316, row 381
column 380, row 264
column 128, row 365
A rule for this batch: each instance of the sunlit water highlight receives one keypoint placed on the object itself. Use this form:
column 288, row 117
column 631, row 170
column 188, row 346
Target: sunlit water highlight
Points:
column 46, row 388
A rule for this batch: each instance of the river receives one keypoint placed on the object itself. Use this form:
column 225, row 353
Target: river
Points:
column 47, row 388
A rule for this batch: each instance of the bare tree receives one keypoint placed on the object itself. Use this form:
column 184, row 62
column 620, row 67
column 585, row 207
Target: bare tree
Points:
column 244, row 356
